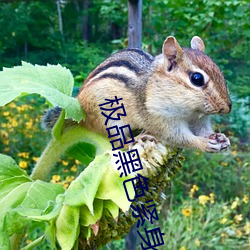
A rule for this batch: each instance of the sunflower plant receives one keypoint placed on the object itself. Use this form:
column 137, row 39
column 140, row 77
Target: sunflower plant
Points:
column 94, row 208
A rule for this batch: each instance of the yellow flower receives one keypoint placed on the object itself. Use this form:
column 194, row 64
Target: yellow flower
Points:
column 223, row 235
column 4, row 134
column 12, row 105
column 55, row 178
column 24, row 154
column 28, row 241
column 70, row 178
column 187, row 211
column 197, row 242
column 65, row 185
column 182, row 248
column 224, row 164
column 211, row 195
column 23, row 107
column 192, row 190
column 19, row 108
column 223, row 220
column 247, row 227
column 73, row 168
column 65, row 163
column 203, row 199
column 6, row 141
column 234, row 152
column 23, row 164
column 6, row 113
column 29, row 124
column 235, row 203
column 245, row 199
column 238, row 218
column 35, row 159
column 77, row 162
column 14, row 123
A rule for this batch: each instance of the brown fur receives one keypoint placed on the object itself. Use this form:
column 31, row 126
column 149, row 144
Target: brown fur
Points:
column 158, row 95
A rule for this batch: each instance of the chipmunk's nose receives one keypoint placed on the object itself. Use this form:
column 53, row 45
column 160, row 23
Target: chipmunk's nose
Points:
column 227, row 108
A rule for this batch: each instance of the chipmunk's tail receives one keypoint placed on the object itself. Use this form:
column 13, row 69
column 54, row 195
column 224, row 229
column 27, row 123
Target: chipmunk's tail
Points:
column 50, row 117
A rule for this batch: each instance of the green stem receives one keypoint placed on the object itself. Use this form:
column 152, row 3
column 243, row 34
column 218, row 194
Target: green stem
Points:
column 57, row 147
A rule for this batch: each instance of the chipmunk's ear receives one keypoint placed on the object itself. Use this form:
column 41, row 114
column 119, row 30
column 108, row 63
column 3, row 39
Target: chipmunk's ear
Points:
column 171, row 49
column 197, row 43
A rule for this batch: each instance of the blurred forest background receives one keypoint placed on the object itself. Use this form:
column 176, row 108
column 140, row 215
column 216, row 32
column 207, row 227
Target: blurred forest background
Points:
column 208, row 204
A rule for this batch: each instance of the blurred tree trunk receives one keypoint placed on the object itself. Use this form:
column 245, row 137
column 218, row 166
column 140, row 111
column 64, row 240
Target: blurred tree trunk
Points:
column 131, row 239
column 134, row 23
column 134, row 41
column 59, row 16
column 86, row 21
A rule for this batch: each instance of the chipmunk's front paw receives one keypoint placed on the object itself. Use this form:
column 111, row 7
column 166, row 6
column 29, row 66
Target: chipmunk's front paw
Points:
column 218, row 142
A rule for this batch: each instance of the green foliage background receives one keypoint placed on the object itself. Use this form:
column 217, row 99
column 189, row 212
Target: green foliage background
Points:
column 30, row 32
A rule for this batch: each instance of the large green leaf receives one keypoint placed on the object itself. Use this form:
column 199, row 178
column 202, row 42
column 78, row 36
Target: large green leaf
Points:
column 18, row 190
column 10, row 201
column 99, row 180
column 53, row 82
column 22, row 199
column 83, row 189
column 14, row 184
column 9, row 168
column 83, row 152
column 14, row 198
column 50, row 213
column 28, row 200
column 50, row 233
column 6, row 186
column 86, row 218
column 111, row 207
column 67, row 226
column 111, row 188
column 13, row 223
column 39, row 194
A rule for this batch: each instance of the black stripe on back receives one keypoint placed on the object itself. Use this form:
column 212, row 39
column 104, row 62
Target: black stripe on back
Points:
column 118, row 77
column 142, row 53
column 118, row 63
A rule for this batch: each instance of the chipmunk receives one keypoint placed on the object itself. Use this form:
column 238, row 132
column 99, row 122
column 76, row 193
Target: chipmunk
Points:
column 170, row 96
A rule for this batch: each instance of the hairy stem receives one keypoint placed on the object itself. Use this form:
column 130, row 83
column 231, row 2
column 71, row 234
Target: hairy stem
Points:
column 57, row 147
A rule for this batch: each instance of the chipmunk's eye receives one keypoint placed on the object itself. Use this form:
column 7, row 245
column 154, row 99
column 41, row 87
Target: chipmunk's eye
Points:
column 197, row 79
